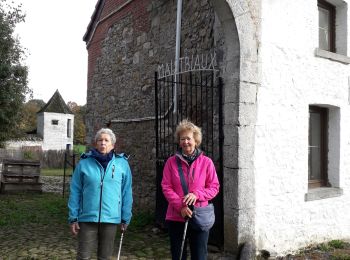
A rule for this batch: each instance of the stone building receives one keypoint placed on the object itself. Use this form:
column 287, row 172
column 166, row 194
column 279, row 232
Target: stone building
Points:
column 285, row 104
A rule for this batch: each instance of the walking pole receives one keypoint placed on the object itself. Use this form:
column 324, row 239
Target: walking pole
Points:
column 183, row 238
column 120, row 244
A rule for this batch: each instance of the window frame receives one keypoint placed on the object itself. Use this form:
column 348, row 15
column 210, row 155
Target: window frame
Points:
column 54, row 122
column 332, row 18
column 324, row 115
column 69, row 128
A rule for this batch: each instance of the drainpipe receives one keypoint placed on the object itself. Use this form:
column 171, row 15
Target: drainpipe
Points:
column 177, row 52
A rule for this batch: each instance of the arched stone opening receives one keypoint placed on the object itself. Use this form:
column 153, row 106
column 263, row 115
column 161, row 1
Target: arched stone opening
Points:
column 240, row 74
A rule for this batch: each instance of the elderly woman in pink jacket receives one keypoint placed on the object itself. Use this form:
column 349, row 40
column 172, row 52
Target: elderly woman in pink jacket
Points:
column 203, row 185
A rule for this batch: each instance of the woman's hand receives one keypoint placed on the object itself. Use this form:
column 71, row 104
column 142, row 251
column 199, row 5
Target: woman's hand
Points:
column 74, row 228
column 123, row 227
column 186, row 212
column 190, row 199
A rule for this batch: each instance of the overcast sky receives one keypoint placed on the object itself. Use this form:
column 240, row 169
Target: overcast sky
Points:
column 57, row 56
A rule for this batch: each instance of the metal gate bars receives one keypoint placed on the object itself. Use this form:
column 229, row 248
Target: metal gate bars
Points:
column 198, row 97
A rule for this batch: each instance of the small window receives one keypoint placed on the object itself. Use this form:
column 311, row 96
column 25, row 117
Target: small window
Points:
column 318, row 148
column 69, row 127
column 54, row 122
column 326, row 25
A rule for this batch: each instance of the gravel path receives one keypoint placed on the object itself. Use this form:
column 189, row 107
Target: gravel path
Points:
column 53, row 183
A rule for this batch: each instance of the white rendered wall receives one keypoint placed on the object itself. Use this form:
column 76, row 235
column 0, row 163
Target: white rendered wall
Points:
column 40, row 124
column 292, row 79
column 55, row 136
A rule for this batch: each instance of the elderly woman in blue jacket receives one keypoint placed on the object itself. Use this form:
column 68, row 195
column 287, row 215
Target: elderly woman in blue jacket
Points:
column 100, row 197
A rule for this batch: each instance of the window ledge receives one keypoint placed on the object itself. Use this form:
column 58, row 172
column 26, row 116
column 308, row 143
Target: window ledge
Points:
column 323, row 193
column 332, row 56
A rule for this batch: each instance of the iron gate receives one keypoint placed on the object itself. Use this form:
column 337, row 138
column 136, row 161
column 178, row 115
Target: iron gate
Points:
column 199, row 99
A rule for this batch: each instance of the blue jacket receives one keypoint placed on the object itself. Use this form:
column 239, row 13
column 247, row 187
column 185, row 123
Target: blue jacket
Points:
column 102, row 196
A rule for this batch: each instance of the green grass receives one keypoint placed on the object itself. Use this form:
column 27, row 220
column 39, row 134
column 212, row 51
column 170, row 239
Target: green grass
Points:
column 336, row 244
column 331, row 245
column 79, row 149
column 340, row 257
column 46, row 208
column 324, row 247
column 29, row 208
column 334, row 250
column 141, row 220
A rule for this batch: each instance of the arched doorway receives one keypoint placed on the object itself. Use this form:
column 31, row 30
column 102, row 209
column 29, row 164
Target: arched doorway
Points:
column 240, row 72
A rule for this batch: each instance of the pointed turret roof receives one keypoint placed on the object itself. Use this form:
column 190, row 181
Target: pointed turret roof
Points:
column 56, row 104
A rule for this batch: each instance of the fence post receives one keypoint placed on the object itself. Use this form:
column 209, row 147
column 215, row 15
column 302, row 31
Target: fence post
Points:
column 64, row 173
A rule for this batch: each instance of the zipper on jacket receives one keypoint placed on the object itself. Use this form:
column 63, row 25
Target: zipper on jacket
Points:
column 192, row 175
column 188, row 172
column 101, row 189
column 100, row 211
column 189, row 176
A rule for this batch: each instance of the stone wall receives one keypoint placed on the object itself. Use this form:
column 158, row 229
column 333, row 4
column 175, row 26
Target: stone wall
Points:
column 19, row 144
column 125, row 56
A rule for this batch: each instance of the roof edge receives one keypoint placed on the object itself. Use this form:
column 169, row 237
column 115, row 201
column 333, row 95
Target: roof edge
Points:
column 94, row 17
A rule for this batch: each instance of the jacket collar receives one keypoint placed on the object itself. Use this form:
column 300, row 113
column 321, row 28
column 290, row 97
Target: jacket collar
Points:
column 189, row 159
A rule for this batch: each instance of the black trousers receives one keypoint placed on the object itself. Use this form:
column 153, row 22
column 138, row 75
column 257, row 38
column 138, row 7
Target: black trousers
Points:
column 198, row 241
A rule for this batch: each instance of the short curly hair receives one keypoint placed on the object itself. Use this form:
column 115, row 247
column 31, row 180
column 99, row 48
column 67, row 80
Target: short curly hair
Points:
column 105, row 131
column 186, row 125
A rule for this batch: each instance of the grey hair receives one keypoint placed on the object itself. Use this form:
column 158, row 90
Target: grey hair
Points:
column 105, row 131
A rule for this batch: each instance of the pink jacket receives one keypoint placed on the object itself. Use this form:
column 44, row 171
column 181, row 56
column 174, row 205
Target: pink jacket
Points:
column 202, row 181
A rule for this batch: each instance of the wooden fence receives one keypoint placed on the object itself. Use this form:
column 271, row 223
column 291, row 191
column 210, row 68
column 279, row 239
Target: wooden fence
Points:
column 48, row 159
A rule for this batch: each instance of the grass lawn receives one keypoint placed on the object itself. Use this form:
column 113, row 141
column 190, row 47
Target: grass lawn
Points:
column 24, row 208
column 46, row 208
column 79, row 149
